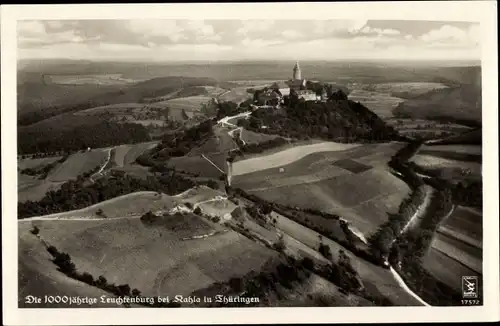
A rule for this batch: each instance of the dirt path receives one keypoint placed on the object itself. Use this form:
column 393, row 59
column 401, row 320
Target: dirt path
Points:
column 215, row 165
column 99, row 173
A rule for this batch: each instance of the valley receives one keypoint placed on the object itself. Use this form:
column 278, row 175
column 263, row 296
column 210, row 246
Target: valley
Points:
column 190, row 186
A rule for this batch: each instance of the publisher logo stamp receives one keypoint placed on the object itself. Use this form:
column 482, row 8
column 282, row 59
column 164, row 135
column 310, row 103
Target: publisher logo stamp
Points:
column 469, row 287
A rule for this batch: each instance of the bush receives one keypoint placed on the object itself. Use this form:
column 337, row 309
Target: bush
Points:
column 101, row 281
column 53, row 251
column 87, row 278
column 325, row 251
column 236, row 283
column 307, row 263
column 35, row 230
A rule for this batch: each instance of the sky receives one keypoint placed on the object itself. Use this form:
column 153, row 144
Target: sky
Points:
column 221, row 40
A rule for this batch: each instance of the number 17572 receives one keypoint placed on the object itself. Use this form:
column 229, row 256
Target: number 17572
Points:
column 469, row 302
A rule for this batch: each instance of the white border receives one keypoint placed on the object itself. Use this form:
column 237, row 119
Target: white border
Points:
column 479, row 11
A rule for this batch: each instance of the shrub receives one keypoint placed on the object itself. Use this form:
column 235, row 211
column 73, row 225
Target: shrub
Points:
column 53, row 251
column 307, row 263
column 35, row 230
column 87, row 278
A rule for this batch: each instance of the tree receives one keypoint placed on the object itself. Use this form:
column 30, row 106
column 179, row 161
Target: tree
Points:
column 236, row 283
column 87, row 278
column 35, row 230
column 101, row 281
column 136, row 293
column 325, row 251
column 266, row 208
column 124, row 289
column 280, row 244
column 308, row 263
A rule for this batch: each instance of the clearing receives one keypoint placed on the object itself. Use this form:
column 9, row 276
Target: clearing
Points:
column 77, row 164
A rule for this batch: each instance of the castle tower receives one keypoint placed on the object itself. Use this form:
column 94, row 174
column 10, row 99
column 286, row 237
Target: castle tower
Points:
column 297, row 75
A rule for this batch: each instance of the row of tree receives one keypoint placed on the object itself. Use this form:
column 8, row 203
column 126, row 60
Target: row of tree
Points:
column 178, row 144
column 66, row 266
column 43, row 171
column 95, row 135
column 382, row 240
column 75, row 194
column 296, row 215
column 411, row 248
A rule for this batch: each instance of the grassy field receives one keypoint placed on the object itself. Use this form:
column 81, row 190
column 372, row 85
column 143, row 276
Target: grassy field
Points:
column 95, row 79
column 284, row 157
column 252, row 137
column 447, row 269
column 127, row 154
column 221, row 142
column 32, row 163
column 315, row 181
column 198, row 165
column 410, row 88
column 30, row 188
column 134, row 204
column 457, row 249
column 236, row 95
column 77, row 164
column 380, row 103
column 463, row 149
column 104, row 247
column 191, row 103
column 438, row 162
column 34, row 189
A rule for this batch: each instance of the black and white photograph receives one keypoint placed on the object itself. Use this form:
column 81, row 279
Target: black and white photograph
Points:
column 248, row 162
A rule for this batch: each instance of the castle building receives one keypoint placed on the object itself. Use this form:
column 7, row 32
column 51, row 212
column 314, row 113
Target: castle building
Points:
column 297, row 82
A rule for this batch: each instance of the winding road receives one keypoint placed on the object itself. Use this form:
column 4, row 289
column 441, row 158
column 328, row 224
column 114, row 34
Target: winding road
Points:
column 99, row 173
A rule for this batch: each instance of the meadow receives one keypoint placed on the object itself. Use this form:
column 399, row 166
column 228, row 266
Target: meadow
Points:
column 457, row 248
column 103, row 247
column 127, row 154
column 78, row 164
column 380, row 103
column 96, row 79
column 353, row 183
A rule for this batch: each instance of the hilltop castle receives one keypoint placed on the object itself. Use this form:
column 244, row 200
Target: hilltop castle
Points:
column 297, row 82
column 274, row 95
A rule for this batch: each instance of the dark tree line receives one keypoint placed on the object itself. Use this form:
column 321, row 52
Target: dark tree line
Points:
column 95, row 135
column 381, row 241
column 66, row 266
column 227, row 109
column 337, row 119
column 177, row 144
column 75, row 195
column 412, row 247
column 43, row 171
column 253, row 148
column 296, row 215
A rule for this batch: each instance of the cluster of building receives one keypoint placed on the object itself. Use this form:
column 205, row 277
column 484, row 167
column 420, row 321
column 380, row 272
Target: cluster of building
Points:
column 274, row 96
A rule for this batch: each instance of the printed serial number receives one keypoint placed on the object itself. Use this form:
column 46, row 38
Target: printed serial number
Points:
column 471, row 302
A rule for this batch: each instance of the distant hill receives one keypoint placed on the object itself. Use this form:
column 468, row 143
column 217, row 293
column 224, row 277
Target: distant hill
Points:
column 473, row 137
column 39, row 99
column 460, row 104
